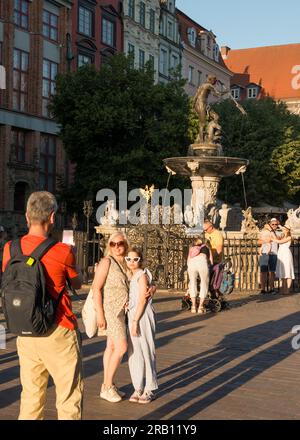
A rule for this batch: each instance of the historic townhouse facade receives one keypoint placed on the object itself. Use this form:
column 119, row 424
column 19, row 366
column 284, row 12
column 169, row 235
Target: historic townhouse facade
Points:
column 141, row 32
column 201, row 55
column 97, row 31
column 33, row 47
column 170, row 48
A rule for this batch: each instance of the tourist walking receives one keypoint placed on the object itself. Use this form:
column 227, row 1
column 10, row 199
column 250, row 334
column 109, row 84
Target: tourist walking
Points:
column 57, row 353
column 141, row 326
column 110, row 293
column 285, row 264
column 199, row 259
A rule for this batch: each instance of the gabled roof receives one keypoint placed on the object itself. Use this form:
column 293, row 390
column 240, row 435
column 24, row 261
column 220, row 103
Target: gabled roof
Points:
column 274, row 68
column 186, row 22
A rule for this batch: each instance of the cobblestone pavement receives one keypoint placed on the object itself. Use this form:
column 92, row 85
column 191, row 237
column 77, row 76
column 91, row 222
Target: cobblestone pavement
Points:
column 237, row 364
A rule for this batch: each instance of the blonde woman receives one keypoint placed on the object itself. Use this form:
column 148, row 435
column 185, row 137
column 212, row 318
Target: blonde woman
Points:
column 285, row 264
column 110, row 292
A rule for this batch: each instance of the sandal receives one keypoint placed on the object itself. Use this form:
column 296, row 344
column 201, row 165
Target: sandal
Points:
column 193, row 309
column 202, row 310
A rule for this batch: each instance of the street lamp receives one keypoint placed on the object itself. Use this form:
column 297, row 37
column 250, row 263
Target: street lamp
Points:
column 87, row 211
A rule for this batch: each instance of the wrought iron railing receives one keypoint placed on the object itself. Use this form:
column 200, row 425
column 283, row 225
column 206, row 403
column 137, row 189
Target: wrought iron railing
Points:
column 166, row 256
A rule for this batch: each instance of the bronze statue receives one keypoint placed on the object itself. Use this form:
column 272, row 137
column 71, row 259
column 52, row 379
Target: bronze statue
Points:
column 214, row 132
column 201, row 106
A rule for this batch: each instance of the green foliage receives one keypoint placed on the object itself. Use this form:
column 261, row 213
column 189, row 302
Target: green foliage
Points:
column 269, row 137
column 286, row 161
column 116, row 124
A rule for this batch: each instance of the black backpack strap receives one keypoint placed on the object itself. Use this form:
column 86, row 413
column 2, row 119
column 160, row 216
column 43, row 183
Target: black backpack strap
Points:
column 42, row 248
column 15, row 248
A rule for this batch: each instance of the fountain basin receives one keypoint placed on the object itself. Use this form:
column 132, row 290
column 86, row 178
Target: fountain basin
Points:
column 212, row 166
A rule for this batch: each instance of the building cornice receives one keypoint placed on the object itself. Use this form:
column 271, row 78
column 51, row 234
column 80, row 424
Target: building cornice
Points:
column 67, row 3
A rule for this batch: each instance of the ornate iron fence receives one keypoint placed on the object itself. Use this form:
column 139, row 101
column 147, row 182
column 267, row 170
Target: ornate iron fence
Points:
column 166, row 251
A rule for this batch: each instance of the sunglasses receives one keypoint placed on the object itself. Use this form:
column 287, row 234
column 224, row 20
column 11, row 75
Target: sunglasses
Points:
column 133, row 260
column 274, row 224
column 118, row 244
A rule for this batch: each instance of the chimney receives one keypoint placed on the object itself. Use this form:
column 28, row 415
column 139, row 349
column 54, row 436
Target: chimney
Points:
column 225, row 51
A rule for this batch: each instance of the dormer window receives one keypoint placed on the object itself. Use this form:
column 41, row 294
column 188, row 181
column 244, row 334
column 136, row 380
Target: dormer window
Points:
column 236, row 93
column 216, row 53
column 192, row 36
column 252, row 92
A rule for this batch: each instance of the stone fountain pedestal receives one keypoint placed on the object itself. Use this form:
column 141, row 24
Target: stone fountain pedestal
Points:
column 205, row 166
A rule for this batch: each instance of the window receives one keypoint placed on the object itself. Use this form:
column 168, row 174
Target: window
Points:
column 170, row 30
column 174, row 61
column 18, row 144
column 199, row 78
column 152, row 21
column 85, row 21
column 252, row 92
column 192, row 36
column 142, row 14
column 50, row 70
column 84, row 59
column 20, row 196
column 191, row 75
column 131, row 8
column 21, row 12
column 20, row 80
column 131, row 52
column 141, row 59
column 235, row 93
column 47, row 163
column 50, row 25
column 151, row 60
column 108, row 32
column 163, row 62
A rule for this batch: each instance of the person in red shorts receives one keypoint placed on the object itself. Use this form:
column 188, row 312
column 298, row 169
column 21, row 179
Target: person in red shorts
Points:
column 57, row 354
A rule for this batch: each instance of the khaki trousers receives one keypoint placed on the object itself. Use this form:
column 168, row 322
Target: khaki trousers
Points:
column 58, row 355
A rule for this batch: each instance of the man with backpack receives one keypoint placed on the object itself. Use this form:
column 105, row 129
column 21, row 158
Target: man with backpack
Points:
column 38, row 309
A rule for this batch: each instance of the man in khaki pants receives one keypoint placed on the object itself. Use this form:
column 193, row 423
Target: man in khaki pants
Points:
column 58, row 353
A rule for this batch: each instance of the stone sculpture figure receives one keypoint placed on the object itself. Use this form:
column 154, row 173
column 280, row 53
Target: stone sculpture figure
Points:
column 201, row 106
column 293, row 220
column 249, row 225
column 111, row 215
column 214, row 129
column 223, row 212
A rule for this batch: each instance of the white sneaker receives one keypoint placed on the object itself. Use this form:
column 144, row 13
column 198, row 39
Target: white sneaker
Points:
column 110, row 394
column 135, row 396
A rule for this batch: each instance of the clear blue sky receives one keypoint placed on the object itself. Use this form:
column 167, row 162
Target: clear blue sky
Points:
column 242, row 24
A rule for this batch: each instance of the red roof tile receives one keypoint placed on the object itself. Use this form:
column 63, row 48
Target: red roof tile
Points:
column 275, row 68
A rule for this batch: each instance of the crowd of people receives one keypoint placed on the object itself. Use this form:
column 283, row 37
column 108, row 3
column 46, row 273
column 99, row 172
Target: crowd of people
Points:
column 122, row 295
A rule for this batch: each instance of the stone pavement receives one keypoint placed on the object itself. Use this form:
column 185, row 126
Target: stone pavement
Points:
column 237, row 364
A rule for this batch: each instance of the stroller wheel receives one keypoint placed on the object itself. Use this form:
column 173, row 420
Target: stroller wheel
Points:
column 215, row 305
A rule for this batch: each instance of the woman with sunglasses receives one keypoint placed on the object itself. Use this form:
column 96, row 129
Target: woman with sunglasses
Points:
column 141, row 326
column 110, row 290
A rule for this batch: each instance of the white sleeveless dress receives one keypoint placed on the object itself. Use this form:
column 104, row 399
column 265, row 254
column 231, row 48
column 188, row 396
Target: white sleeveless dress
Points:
column 285, row 263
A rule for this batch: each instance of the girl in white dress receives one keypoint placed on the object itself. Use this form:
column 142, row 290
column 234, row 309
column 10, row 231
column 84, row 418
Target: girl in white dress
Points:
column 141, row 326
column 285, row 264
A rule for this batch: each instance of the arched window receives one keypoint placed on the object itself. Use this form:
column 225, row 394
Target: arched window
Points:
column 20, row 196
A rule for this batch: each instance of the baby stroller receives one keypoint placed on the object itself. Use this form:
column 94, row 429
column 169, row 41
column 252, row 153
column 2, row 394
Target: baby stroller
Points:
column 221, row 284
